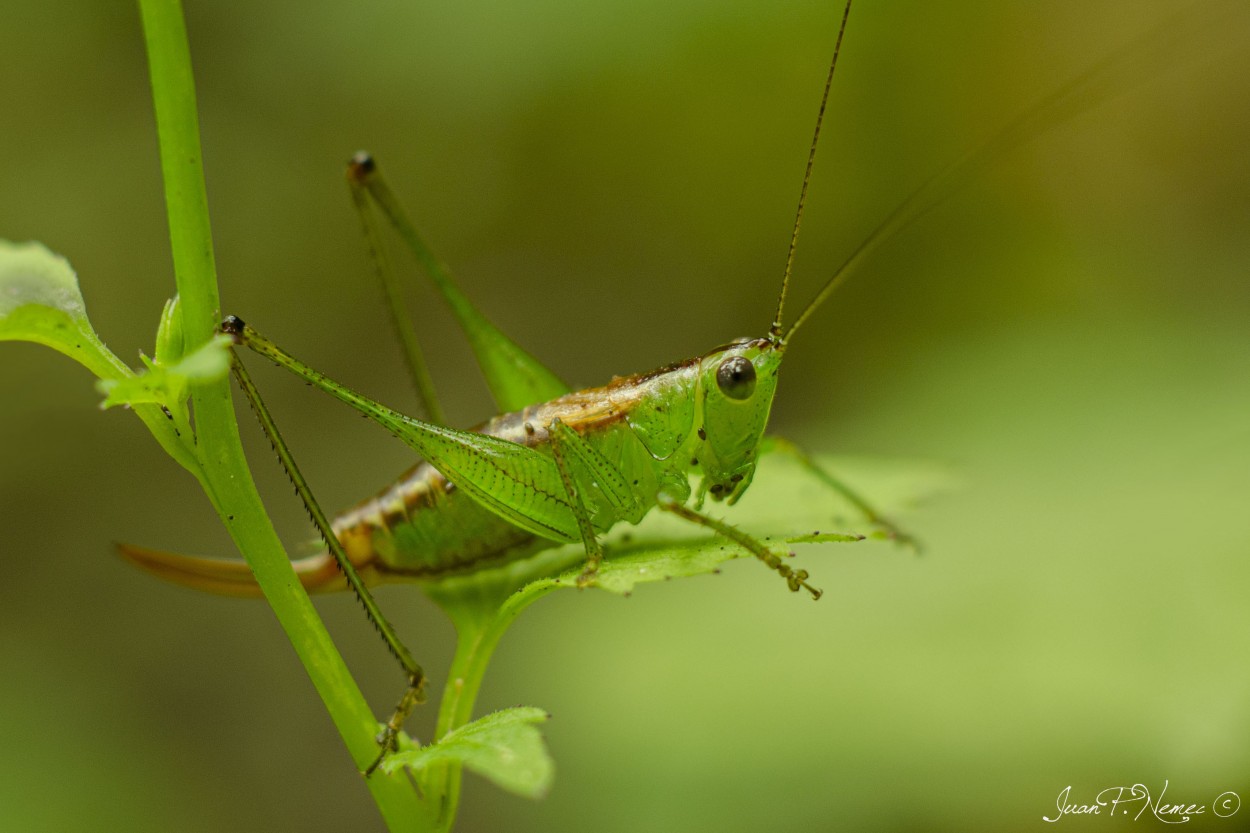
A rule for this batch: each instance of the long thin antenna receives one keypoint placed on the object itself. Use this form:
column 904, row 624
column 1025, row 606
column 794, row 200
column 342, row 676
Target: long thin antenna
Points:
column 1114, row 73
column 775, row 329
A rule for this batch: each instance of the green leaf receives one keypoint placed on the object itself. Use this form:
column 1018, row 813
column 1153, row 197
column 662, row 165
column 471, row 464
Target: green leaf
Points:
column 504, row 747
column 169, row 334
column 40, row 302
column 34, row 276
column 167, row 385
column 786, row 505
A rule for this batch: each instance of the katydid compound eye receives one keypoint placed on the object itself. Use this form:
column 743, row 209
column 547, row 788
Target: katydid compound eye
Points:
column 736, row 378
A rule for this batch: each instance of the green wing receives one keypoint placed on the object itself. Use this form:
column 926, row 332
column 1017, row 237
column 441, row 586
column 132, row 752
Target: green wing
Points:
column 514, row 481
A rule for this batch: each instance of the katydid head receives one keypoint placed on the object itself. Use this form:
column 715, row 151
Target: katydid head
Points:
column 737, row 383
column 739, row 380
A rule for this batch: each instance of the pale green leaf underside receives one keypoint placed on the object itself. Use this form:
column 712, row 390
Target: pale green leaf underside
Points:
column 40, row 302
column 32, row 275
column 504, row 747
column 786, row 505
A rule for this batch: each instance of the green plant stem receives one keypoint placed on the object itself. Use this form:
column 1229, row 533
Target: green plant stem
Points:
column 226, row 477
column 475, row 643
column 480, row 618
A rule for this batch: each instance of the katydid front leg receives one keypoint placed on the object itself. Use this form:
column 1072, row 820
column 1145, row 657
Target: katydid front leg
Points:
column 520, row 484
column 795, row 579
column 583, row 467
column 414, row 694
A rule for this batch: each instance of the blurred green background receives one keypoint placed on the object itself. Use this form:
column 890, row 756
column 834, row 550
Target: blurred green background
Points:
column 615, row 183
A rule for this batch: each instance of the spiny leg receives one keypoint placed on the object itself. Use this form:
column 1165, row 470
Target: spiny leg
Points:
column 795, row 579
column 414, row 358
column 516, row 482
column 781, row 444
column 594, row 550
column 413, row 695
column 515, row 378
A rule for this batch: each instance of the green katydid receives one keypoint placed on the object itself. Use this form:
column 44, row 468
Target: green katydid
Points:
column 557, row 466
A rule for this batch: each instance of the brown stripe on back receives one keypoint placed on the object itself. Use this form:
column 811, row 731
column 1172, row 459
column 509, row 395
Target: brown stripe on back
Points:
column 585, row 411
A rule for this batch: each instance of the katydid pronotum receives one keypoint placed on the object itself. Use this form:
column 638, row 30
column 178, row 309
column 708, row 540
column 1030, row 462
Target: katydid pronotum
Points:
column 557, row 466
